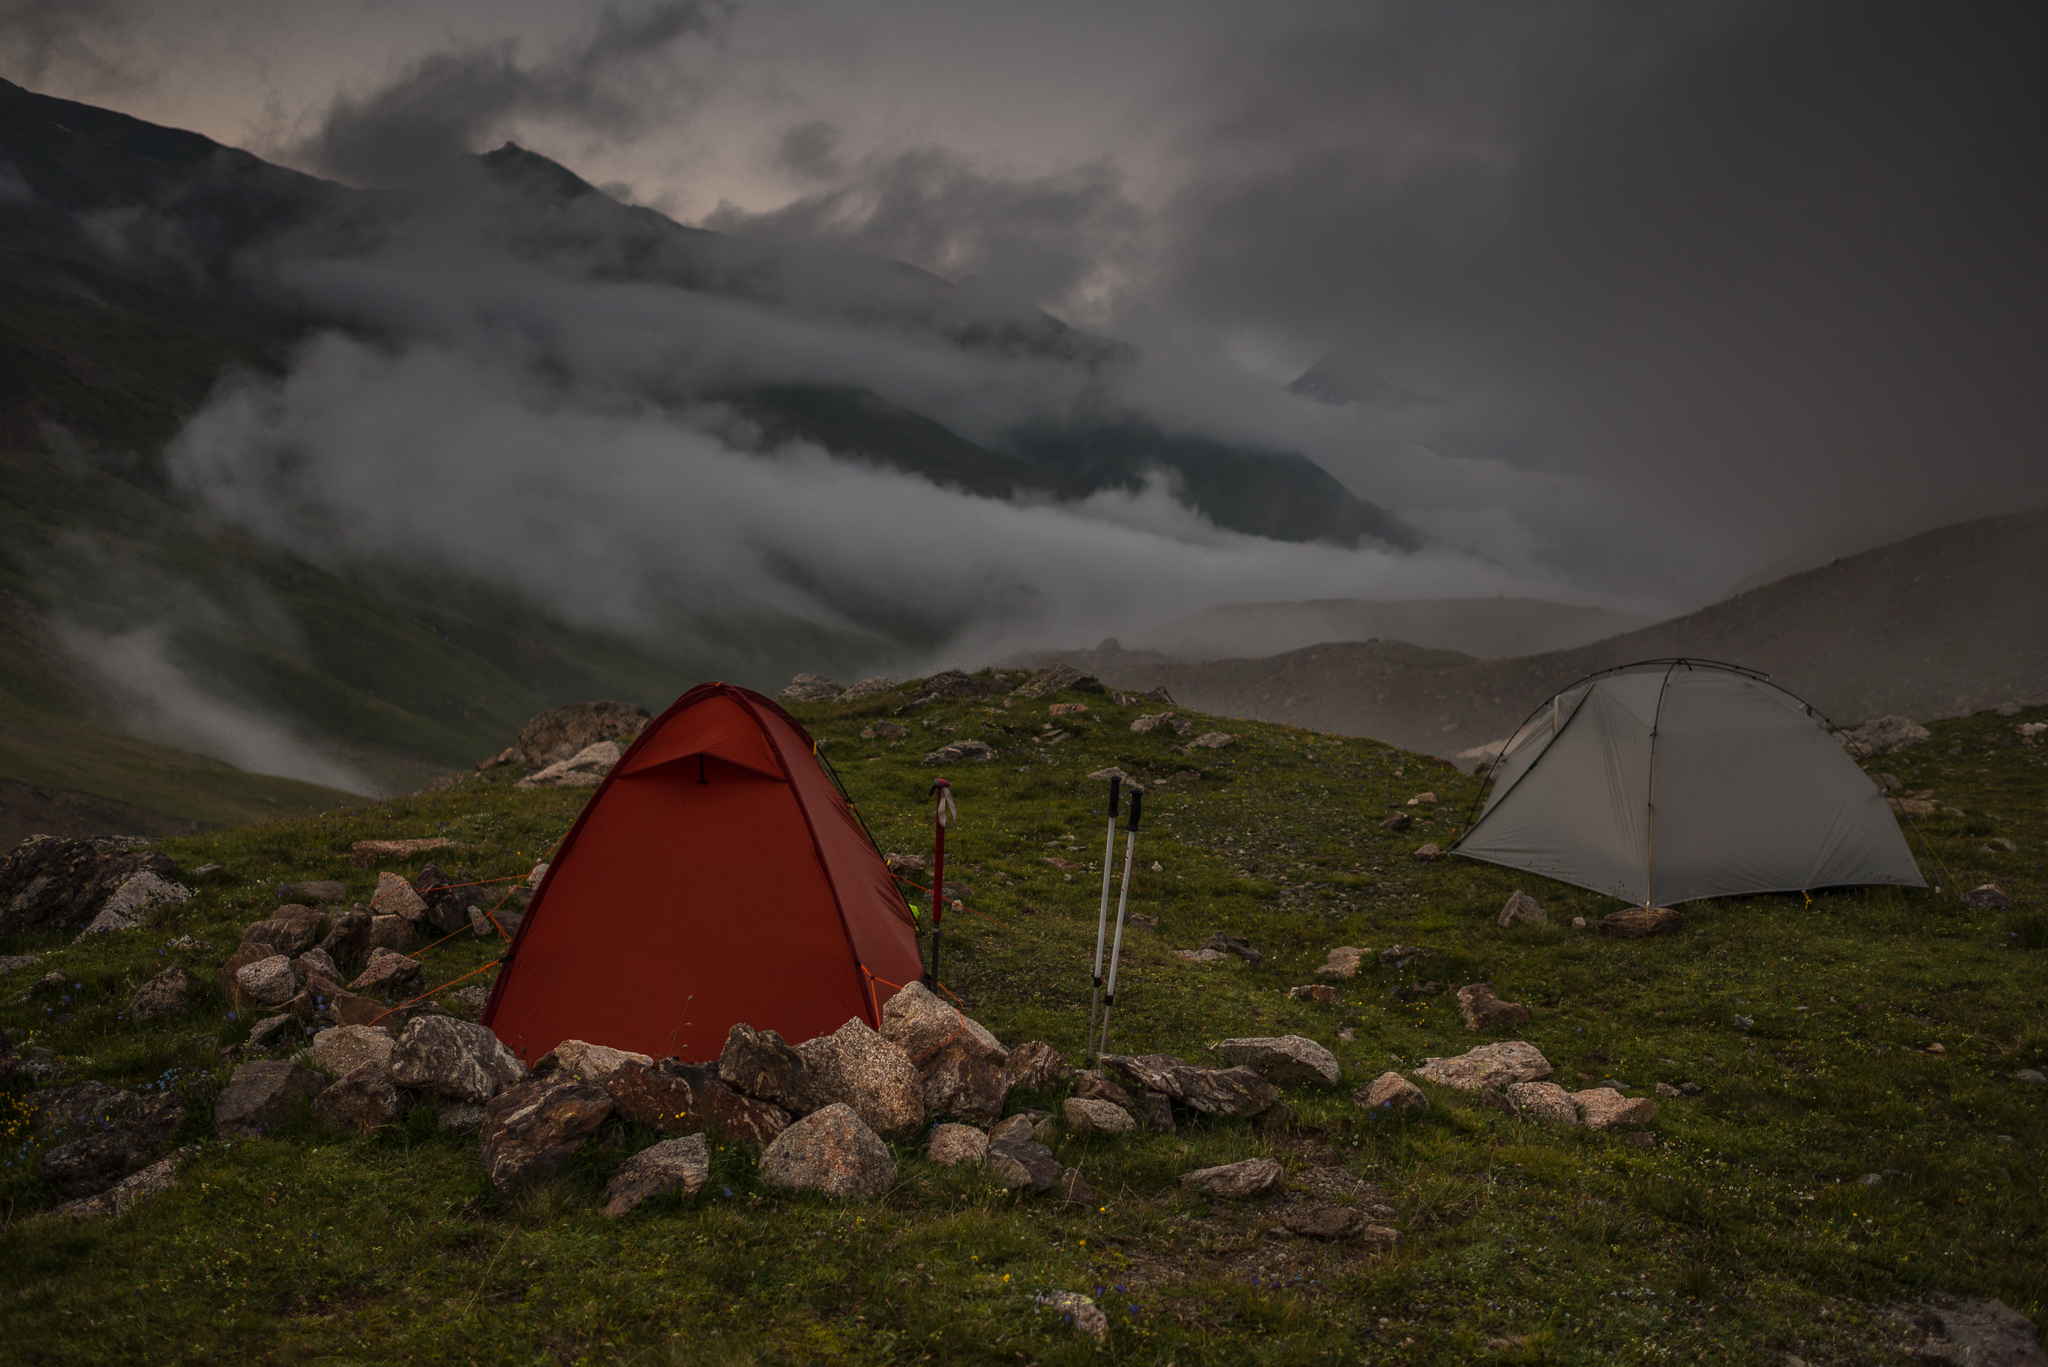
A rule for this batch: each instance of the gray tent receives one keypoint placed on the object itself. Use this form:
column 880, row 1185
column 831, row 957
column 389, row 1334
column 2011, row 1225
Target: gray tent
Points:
column 1673, row 780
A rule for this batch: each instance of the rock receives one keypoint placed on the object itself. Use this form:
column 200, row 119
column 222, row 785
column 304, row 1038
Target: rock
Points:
column 1987, row 898
column 1343, row 962
column 562, row 732
column 1202, row 956
column 1545, row 1101
column 123, row 1196
column 855, row 1065
column 341, row 1049
column 867, row 688
column 530, row 1129
column 1484, row 1011
column 394, row 933
column 230, row 971
column 1015, row 1128
column 952, row 1145
column 1665, row 1089
column 1314, row 992
column 129, row 905
column 1078, row 1310
column 314, row 892
column 364, row 853
column 315, row 963
column 387, row 974
column 1578, row 923
column 1154, row 1112
column 1488, row 1065
column 682, row 1165
column 348, row 941
column 361, row 1099
column 951, row 683
column 1093, row 1086
column 1883, row 736
column 168, row 993
column 454, row 1058
column 1212, row 740
column 1074, row 1189
column 917, row 1021
column 125, row 1136
column 1033, row 1066
column 963, row 1081
column 1224, row 1091
column 680, row 1098
column 1602, row 1107
column 1979, row 1334
column 1235, row 1181
column 83, row 1105
column 49, row 880
column 1233, row 944
column 1323, row 1222
column 395, row 897
column 288, row 931
column 1059, row 679
column 270, row 1030
column 1429, row 854
column 10, row 962
column 1066, row 709
column 1288, row 1060
column 261, row 1096
column 591, row 1062
column 1633, row 923
column 831, row 1150
column 761, row 1065
column 584, row 769
column 810, row 688
column 1399, row 821
column 1084, row 1115
column 269, row 980
column 961, row 750
column 1019, row 1163
column 1392, row 1092
column 1522, row 910
column 2033, row 1077
column 1150, row 722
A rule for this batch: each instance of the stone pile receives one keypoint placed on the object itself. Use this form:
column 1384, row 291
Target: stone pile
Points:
column 1513, row 1077
column 100, row 885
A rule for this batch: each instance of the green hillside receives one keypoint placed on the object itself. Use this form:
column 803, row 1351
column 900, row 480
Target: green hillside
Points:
column 1860, row 1143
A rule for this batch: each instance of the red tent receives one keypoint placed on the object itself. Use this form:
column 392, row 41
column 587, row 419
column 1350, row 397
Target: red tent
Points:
column 715, row 876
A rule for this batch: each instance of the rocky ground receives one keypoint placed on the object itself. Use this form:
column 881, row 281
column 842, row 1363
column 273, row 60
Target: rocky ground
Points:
column 1363, row 1102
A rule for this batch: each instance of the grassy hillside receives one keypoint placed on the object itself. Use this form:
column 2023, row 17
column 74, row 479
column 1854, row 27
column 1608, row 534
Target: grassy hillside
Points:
column 1741, row 1229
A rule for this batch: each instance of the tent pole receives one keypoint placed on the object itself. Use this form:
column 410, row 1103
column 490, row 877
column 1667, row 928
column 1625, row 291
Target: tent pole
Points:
column 1102, row 914
column 1123, row 901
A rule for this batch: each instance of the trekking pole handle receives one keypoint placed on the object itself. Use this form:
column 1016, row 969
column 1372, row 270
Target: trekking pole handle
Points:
column 1137, row 805
column 1116, row 784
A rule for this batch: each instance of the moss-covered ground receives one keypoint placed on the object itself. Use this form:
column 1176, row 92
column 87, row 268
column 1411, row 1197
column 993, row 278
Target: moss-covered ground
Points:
column 1744, row 1230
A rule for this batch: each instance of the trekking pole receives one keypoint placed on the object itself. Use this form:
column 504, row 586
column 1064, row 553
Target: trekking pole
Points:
column 943, row 815
column 1116, row 784
column 1123, row 901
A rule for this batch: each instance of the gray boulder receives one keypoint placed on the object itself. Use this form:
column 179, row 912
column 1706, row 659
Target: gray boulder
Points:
column 1086, row 1116
column 350, row 939
column 1488, row 1065
column 125, row 1135
column 129, row 905
column 1289, row 1060
column 1978, row 1334
column 341, row 1049
column 558, row 734
column 1392, row 1092
column 1544, row 1101
column 831, row 1150
column 952, row 1145
column 261, row 1096
column 268, row 981
column 967, row 1084
column 763, row 1066
column 361, row 1100
column 810, row 688
column 1020, row 1163
column 315, row 963
column 168, row 993
column 1034, row 1066
column 1883, row 736
column 388, row 974
column 288, row 930
column 125, row 1194
column 1602, row 1108
column 1522, row 910
column 1213, row 1091
column 855, row 1065
column 682, row 1165
column 922, row 1024
column 455, row 1059
column 530, row 1129
column 1235, row 1181
column 682, row 1099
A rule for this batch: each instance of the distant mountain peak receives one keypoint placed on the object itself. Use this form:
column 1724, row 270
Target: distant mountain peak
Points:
column 514, row 166
column 1341, row 379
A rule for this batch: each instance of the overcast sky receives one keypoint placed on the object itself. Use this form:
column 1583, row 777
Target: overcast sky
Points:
column 1722, row 281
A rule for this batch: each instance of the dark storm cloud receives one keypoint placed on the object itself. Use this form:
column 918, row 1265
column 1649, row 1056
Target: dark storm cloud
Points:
column 84, row 40
column 1774, row 265
column 612, row 82
column 811, row 150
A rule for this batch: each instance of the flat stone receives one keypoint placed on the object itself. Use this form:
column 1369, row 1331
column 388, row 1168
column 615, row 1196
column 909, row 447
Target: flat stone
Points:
column 979, row 752
column 168, row 993
column 1399, row 821
column 1488, row 1065
column 1979, row 1334
column 682, row 1165
column 584, row 769
column 831, row 1150
column 1633, row 923
column 1429, row 853
column 1987, row 898
column 1085, row 1116
column 1020, row 1163
column 1323, row 1222
column 262, row 1096
column 1095, row 1087
column 1392, row 1092
column 341, row 1049
column 530, row 1129
column 1522, row 910
column 454, row 1058
column 1235, row 1181
column 1343, row 962
column 367, row 852
column 1014, row 1128
column 1212, row 740
column 268, row 980
column 952, row 1145
column 362, row 1099
column 762, row 1065
column 395, row 897
column 1484, row 1011
column 1213, row 1091
column 128, row 907
column 681, row 1099
column 856, row 1065
column 387, row 974
column 1544, row 1101
column 1602, row 1107
column 124, row 1195
column 270, row 1030
column 1233, row 944
column 1059, row 679
column 2033, row 1077
column 591, row 1062
column 289, row 930
column 965, row 1082
column 1289, row 1060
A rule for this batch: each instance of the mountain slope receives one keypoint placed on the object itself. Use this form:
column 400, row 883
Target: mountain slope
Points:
column 1488, row 628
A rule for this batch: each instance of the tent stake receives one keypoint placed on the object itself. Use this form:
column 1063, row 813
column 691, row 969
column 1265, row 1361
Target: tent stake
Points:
column 1102, row 915
column 1123, row 902
column 943, row 814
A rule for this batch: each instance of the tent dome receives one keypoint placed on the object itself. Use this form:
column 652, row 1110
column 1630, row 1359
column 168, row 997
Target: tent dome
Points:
column 716, row 876
column 1673, row 780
